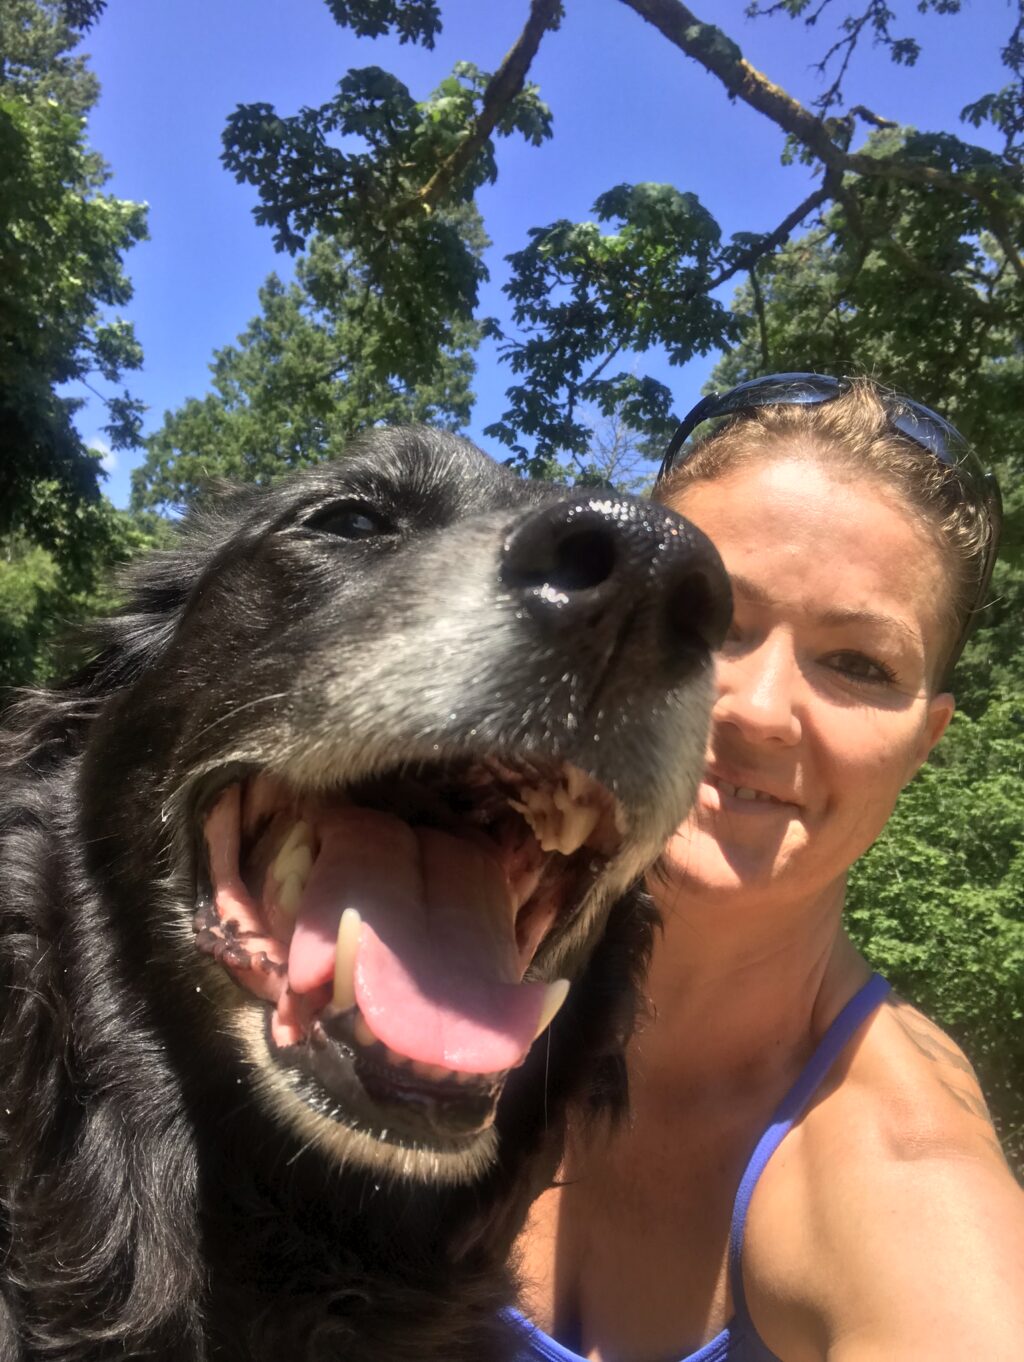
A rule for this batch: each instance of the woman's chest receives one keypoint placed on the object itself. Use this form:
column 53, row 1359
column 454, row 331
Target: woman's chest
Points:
column 628, row 1257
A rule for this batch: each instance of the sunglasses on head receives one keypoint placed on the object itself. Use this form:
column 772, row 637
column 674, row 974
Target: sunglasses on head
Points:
column 919, row 424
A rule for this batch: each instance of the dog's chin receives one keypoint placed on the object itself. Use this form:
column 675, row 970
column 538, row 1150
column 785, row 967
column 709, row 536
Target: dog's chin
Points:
column 386, row 1141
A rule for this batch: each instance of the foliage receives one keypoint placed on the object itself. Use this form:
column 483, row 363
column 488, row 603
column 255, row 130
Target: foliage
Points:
column 581, row 296
column 325, row 358
column 61, row 243
column 46, row 595
column 938, row 903
column 61, row 248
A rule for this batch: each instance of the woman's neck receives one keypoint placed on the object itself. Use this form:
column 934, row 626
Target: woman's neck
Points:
column 736, row 988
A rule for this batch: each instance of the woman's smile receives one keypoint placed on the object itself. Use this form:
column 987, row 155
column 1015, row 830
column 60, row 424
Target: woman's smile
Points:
column 823, row 712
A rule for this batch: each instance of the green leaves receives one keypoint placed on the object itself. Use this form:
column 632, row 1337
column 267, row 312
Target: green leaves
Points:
column 62, row 244
column 326, row 357
column 582, row 296
column 937, row 902
column 415, row 21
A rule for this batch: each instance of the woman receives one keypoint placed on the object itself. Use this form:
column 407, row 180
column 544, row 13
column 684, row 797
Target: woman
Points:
column 810, row 1172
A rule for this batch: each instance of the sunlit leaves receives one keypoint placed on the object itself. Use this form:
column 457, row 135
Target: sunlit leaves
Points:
column 326, row 357
column 581, row 295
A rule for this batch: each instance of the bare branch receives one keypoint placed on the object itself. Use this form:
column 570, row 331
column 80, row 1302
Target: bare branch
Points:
column 765, row 245
column 762, row 323
column 720, row 56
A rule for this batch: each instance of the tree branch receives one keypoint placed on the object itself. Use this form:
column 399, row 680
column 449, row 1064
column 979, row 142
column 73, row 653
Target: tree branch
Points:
column 502, row 88
column 719, row 55
column 747, row 259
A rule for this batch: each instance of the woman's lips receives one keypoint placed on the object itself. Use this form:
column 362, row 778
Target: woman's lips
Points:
column 718, row 793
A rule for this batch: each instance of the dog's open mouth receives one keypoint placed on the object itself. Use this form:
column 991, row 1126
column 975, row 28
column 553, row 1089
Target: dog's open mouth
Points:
column 390, row 927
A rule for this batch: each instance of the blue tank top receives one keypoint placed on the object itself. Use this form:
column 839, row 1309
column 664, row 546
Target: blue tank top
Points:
column 739, row 1341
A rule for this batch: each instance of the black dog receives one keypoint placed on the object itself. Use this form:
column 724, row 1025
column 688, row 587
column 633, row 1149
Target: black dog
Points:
column 369, row 748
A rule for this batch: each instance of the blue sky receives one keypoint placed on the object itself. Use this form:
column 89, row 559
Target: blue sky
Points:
column 627, row 106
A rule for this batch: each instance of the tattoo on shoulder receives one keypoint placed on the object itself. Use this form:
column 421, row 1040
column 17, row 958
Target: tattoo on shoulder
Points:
column 953, row 1070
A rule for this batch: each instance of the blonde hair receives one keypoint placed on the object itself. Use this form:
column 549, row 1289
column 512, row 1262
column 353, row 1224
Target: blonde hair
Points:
column 852, row 433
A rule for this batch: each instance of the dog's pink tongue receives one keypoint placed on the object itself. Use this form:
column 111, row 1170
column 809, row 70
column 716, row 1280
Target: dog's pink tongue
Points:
column 436, row 970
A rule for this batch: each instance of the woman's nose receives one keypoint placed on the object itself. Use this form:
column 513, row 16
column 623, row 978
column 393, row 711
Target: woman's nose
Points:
column 757, row 692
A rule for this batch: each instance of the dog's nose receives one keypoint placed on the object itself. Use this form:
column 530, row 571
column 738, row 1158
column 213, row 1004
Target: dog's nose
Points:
column 612, row 565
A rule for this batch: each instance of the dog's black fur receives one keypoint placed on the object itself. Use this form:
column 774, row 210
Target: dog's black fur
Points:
column 154, row 1201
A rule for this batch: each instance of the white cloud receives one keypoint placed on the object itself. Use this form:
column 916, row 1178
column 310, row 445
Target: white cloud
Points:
column 108, row 460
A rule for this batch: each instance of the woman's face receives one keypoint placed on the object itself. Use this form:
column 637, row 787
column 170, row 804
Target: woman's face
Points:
column 823, row 711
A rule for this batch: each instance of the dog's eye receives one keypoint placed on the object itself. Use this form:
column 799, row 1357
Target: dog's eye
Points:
column 352, row 521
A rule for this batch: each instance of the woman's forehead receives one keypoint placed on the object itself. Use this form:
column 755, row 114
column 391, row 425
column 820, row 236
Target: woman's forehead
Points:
column 791, row 529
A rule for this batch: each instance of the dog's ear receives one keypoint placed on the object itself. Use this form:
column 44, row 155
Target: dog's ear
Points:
column 155, row 591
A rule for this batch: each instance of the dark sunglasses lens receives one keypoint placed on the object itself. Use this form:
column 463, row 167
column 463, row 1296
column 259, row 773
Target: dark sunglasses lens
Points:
column 934, row 432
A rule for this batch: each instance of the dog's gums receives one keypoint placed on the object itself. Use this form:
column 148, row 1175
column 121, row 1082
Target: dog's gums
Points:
column 389, row 927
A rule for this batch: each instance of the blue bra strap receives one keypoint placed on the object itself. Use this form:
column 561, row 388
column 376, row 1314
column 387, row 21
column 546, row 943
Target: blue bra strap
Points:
column 789, row 1111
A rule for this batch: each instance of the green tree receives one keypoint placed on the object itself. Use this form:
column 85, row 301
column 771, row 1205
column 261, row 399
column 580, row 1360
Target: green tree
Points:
column 326, row 357
column 938, row 903
column 644, row 272
column 43, row 601
column 61, row 248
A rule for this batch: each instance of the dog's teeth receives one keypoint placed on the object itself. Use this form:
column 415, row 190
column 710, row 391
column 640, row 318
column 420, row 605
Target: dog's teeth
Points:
column 559, row 818
column 553, row 1000
column 362, row 1032
column 433, row 1073
column 345, row 962
column 296, row 854
column 289, row 893
column 301, row 834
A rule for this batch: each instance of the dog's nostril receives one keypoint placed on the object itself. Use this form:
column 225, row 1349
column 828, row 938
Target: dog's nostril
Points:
column 699, row 606
column 579, row 559
column 560, row 553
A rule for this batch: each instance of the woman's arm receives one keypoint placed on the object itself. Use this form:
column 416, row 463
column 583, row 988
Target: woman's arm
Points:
column 899, row 1228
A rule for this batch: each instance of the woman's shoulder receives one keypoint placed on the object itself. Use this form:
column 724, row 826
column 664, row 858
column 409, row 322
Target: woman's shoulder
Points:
column 895, row 1219
column 915, row 1091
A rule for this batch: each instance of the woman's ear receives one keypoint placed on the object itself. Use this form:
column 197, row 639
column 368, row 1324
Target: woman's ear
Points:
column 941, row 708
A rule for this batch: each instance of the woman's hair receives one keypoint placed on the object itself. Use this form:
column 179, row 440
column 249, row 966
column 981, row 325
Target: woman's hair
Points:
column 852, row 434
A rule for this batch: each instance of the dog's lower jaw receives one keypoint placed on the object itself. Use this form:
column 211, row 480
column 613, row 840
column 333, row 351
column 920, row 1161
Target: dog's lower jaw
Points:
column 321, row 1123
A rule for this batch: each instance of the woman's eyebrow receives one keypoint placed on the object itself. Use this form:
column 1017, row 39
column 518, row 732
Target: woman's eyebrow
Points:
column 835, row 617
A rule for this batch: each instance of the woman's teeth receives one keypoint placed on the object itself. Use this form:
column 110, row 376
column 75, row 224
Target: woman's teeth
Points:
column 745, row 792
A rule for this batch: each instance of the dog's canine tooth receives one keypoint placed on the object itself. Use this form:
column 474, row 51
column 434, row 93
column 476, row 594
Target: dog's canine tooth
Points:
column 433, row 1073
column 345, row 960
column 362, row 1032
column 289, row 894
column 296, row 854
column 555, row 996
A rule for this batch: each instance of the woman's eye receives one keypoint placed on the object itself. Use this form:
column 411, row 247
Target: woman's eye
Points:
column 350, row 522
column 860, row 667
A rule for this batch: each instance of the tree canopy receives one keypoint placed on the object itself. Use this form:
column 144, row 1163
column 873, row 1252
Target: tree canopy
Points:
column 62, row 243
column 644, row 272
